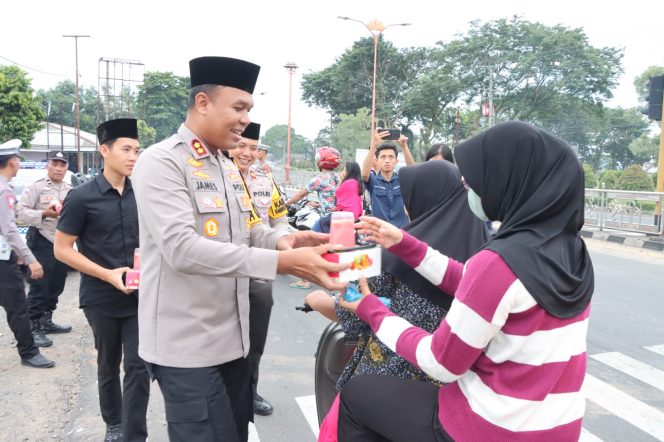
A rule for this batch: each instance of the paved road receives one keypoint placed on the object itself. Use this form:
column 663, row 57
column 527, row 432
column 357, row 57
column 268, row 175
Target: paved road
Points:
column 625, row 388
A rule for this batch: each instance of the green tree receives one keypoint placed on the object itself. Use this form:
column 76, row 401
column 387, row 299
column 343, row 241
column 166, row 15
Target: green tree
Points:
column 346, row 86
column 641, row 81
column 20, row 111
column 146, row 134
column 534, row 70
column 604, row 137
column 590, row 180
column 610, row 178
column 162, row 102
column 351, row 132
column 645, row 149
column 635, row 178
column 60, row 105
column 277, row 136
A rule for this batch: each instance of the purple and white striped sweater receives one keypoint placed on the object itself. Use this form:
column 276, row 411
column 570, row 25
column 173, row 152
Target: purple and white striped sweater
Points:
column 514, row 372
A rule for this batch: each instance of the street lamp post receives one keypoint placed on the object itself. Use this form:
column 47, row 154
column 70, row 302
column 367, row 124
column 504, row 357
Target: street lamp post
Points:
column 375, row 28
column 78, row 108
column 290, row 67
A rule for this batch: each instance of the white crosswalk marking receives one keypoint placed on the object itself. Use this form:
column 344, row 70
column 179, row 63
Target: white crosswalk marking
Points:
column 639, row 370
column 253, row 433
column 587, row 436
column 308, row 406
column 645, row 417
column 656, row 348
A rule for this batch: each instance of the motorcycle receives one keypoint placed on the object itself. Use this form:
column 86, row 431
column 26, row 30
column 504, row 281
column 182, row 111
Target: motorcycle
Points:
column 332, row 355
column 303, row 214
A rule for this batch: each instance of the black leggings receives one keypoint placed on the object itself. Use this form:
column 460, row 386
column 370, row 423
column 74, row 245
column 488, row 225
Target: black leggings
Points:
column 376, row 408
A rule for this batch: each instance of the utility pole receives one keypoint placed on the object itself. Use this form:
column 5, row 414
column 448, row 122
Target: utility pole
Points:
column 491, row 117
column 457, row 120
column 78, row 107
column 660, row 175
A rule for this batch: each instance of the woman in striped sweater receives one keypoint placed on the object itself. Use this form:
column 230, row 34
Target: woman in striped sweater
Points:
column 512, row 348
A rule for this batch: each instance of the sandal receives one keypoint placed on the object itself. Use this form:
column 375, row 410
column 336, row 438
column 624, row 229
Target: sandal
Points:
column 300, row 285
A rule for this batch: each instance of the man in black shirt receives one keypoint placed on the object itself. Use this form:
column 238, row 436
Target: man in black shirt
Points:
column 101, row 216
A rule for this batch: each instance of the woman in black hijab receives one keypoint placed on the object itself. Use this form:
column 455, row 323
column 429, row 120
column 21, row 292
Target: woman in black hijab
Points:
column 512, row 348
column 437, row 205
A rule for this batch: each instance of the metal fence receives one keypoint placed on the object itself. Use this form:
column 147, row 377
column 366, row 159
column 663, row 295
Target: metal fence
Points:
column 298, row 178
column 624, row 210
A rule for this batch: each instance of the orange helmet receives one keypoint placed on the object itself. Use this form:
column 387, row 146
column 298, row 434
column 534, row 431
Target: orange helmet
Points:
column 327, row 158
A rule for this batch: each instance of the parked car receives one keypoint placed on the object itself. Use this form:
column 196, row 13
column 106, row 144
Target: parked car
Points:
column 30, row 172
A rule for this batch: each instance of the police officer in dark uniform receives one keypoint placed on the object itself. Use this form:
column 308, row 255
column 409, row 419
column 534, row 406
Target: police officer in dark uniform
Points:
column 40, row 207
column 101, row 216
column 13, row 252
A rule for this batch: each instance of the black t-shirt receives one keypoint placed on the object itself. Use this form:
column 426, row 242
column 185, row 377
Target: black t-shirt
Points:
column 106, row 224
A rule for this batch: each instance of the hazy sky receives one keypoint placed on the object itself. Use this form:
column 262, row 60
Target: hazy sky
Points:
column 165, row 37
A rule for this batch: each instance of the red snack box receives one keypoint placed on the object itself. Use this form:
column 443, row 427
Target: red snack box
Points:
column 132, row 278
column 363, row 260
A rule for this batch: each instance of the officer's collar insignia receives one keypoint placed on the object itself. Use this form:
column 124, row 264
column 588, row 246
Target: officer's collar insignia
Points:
column 200, row 151
column 192, row 162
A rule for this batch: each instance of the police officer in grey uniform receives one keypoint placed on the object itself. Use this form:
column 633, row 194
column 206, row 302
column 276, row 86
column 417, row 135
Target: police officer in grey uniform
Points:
column 40, row 206
column 263, row 165
column 14, row 252
column 199, row 233
column 271, row 208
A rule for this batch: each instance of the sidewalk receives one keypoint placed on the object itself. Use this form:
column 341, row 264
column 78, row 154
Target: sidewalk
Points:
column 631, row 239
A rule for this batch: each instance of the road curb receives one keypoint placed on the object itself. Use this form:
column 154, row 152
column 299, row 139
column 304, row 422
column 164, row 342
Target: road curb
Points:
column 655, row 244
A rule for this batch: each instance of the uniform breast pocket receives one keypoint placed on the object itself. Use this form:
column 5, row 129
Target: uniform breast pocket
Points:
column 243, row 201
column 212, row 223
column 209, row 202
column 47, row 198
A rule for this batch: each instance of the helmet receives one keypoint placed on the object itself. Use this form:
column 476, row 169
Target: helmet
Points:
column 327, row 158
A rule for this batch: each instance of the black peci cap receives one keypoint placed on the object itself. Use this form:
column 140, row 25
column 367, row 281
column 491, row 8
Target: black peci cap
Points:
column 119, row 128
column 224, row 71
column 253, row 131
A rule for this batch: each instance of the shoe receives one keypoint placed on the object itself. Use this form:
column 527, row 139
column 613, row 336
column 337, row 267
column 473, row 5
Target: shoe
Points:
column 113, row 433
column 261, row 406
column 38, row 361
column 38, row 334
column 48, row 326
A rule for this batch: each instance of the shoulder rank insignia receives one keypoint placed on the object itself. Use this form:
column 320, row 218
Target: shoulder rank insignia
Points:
column 200, row 151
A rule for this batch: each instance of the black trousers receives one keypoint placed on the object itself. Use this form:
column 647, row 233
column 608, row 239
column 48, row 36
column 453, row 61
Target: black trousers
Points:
column 260, row 308
column 127, row 406
column 12, row 299
column 209, row 404
column 44, row 293
column 375, row 408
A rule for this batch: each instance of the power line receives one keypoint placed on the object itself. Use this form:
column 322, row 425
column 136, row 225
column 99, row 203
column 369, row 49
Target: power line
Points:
column 31, row 69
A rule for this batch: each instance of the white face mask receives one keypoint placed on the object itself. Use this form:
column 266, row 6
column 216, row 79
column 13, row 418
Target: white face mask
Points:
column 475, row 204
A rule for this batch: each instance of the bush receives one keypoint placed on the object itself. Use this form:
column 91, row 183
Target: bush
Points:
column 635, row 178
column 589, row 176
column 610, row 179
